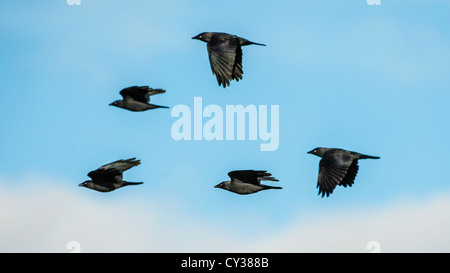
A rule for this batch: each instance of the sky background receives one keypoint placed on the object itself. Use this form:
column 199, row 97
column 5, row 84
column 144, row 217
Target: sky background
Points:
column 372, row 79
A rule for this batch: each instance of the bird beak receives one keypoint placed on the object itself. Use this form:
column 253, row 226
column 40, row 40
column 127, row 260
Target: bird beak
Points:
column 310, row 152
column 80, row 185
column 195, row 37
column 111, row 104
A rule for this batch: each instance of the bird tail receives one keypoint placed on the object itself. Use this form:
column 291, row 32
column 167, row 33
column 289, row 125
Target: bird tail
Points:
column 132, row 183
column 266, row 187
column 368, row 156
column 253, row 43
column 244, row 42
column 154, row 106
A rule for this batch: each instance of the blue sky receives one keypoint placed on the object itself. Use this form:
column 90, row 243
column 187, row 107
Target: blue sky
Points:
column 372, row 79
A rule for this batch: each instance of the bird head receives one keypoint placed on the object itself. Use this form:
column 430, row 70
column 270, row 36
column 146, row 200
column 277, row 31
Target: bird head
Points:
column 117, row 103
column 86, row 184
column 318, row 151
column 205, row 36
column 223, row 185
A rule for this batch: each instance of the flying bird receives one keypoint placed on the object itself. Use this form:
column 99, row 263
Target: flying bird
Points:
column 109, row 177
column 225, row 55
column 137, row 98
column 337, row 167
column 247, row 182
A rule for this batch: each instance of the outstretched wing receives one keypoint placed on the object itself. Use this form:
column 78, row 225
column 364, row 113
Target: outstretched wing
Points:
column 251, row 176
column 151, row 92
column 237, row 69
column 225, row 57
column 336, row 169
column 140, row 93
column 121, row 165
column 349, row 178
column 112, row 172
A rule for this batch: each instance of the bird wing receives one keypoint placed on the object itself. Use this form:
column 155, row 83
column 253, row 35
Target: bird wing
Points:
column 151, row 91
column 351, row 174
column 237, row 69
column 112, row 172
column 102, row 176
column 222, row 58
column 251, row 176
column 140, row 93
column 333, row 168
column 120, row 165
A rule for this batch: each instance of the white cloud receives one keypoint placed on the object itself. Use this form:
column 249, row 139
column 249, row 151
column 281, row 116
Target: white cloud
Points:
column 408, row 226
column 39, row 217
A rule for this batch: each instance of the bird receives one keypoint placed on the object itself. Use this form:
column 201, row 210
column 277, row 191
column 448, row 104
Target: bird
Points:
column 225, row 55
column 337, row 167
column 109, row 176
column 247, row 182
column 137, row 98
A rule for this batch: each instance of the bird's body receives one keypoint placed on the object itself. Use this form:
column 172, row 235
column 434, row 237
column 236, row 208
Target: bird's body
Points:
column 109, row 177
column 247, row 182
column 105, row 186
column 225, row 55
column 137, row 98
column 136, row 106
column 337, row 167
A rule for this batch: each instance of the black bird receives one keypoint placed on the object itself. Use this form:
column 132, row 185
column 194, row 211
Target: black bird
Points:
column 337, row 167
column 247, row 182
column 137, row 98
column 109, row 177
column 225, row 55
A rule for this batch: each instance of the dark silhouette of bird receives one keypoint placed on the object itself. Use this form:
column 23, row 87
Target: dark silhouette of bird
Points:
column 337, row 167
column 137, row 98
column 247, row 182
column 225, row 55
column 109, row 177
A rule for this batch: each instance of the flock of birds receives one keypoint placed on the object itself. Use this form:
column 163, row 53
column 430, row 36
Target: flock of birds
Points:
column 337, row 167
